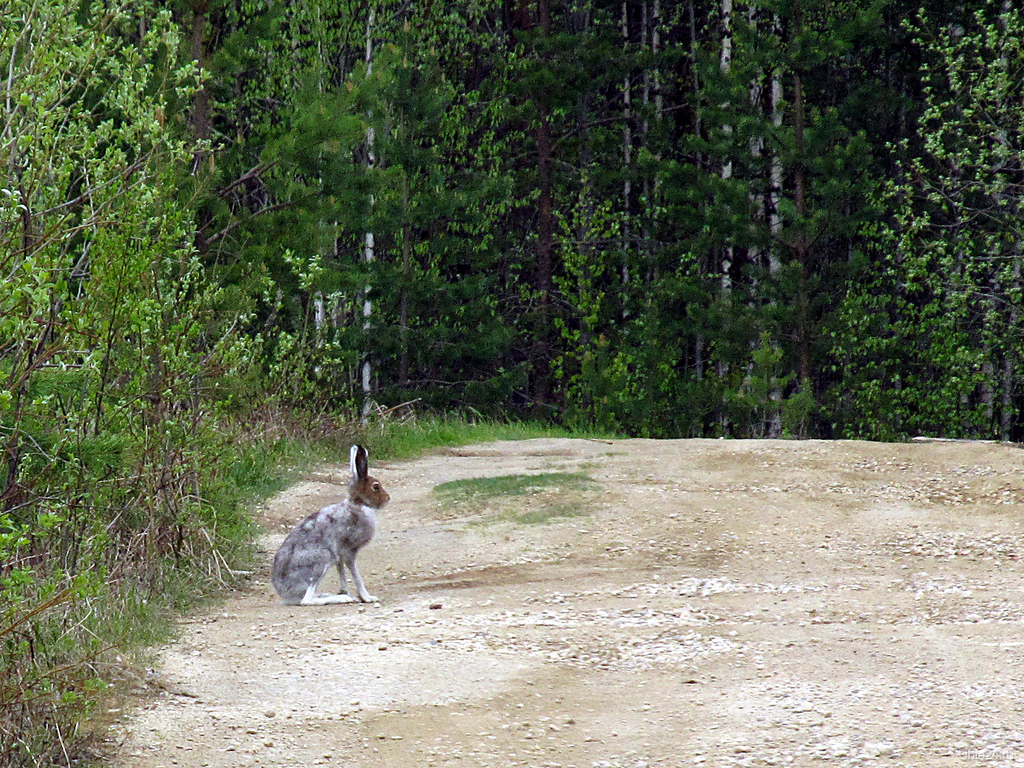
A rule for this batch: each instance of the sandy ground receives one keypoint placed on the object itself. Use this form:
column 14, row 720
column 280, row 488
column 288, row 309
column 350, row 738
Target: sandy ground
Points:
column 723, row 603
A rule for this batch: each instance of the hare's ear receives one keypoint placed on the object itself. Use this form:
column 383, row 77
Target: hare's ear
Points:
column 358, row 462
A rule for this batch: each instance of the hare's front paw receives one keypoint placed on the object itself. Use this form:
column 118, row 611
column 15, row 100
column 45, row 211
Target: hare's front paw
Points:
column 366, row 598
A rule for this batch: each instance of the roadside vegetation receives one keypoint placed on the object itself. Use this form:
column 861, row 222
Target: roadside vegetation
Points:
column 235, row 236
column 69, row 643
column 392, row 440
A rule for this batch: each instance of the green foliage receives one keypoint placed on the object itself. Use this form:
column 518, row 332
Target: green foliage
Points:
column 634, row 218
column 712, row 220
column 757, row 406
column 115, row 357
column 930, row 342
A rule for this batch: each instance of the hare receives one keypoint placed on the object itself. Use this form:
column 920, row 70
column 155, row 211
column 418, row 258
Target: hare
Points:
column 334, row 535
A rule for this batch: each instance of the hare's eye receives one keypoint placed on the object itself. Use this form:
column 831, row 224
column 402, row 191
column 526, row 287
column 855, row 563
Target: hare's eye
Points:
column 376, row 486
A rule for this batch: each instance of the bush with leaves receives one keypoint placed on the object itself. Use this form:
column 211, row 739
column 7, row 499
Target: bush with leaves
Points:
column 115, row 357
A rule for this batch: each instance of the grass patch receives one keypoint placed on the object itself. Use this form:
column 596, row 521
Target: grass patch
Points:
column 256, row 472
column 394, row 440
column 478, row 489
column 521, row 499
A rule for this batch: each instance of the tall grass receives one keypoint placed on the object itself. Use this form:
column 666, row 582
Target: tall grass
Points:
column 85, row 593
column 389, row 439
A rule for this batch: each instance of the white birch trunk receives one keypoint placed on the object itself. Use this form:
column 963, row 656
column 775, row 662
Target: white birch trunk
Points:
column 725, row 63
column 659, row 101
column 775, row 190
column 319, row 312
column 774, row 194
column 368, row 245
column 1006, row 409
column 757, row 200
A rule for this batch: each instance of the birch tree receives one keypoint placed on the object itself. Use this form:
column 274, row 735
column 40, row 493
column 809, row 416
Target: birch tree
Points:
column 369, row 248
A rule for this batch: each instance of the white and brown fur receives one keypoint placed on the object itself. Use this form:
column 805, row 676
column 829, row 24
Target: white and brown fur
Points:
column 332, row 536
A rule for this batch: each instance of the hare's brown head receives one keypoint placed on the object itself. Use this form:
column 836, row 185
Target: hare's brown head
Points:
column 363, row 489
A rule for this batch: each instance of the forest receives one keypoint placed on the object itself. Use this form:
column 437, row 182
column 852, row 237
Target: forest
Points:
column 655, row 218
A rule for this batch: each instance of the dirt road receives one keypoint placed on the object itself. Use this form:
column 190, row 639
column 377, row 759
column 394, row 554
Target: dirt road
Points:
column 725, row 603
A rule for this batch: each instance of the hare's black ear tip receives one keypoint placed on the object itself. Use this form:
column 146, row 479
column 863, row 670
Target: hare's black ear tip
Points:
column 359, row 460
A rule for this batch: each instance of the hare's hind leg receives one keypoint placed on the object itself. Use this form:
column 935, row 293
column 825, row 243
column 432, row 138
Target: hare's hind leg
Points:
column 312, row 597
